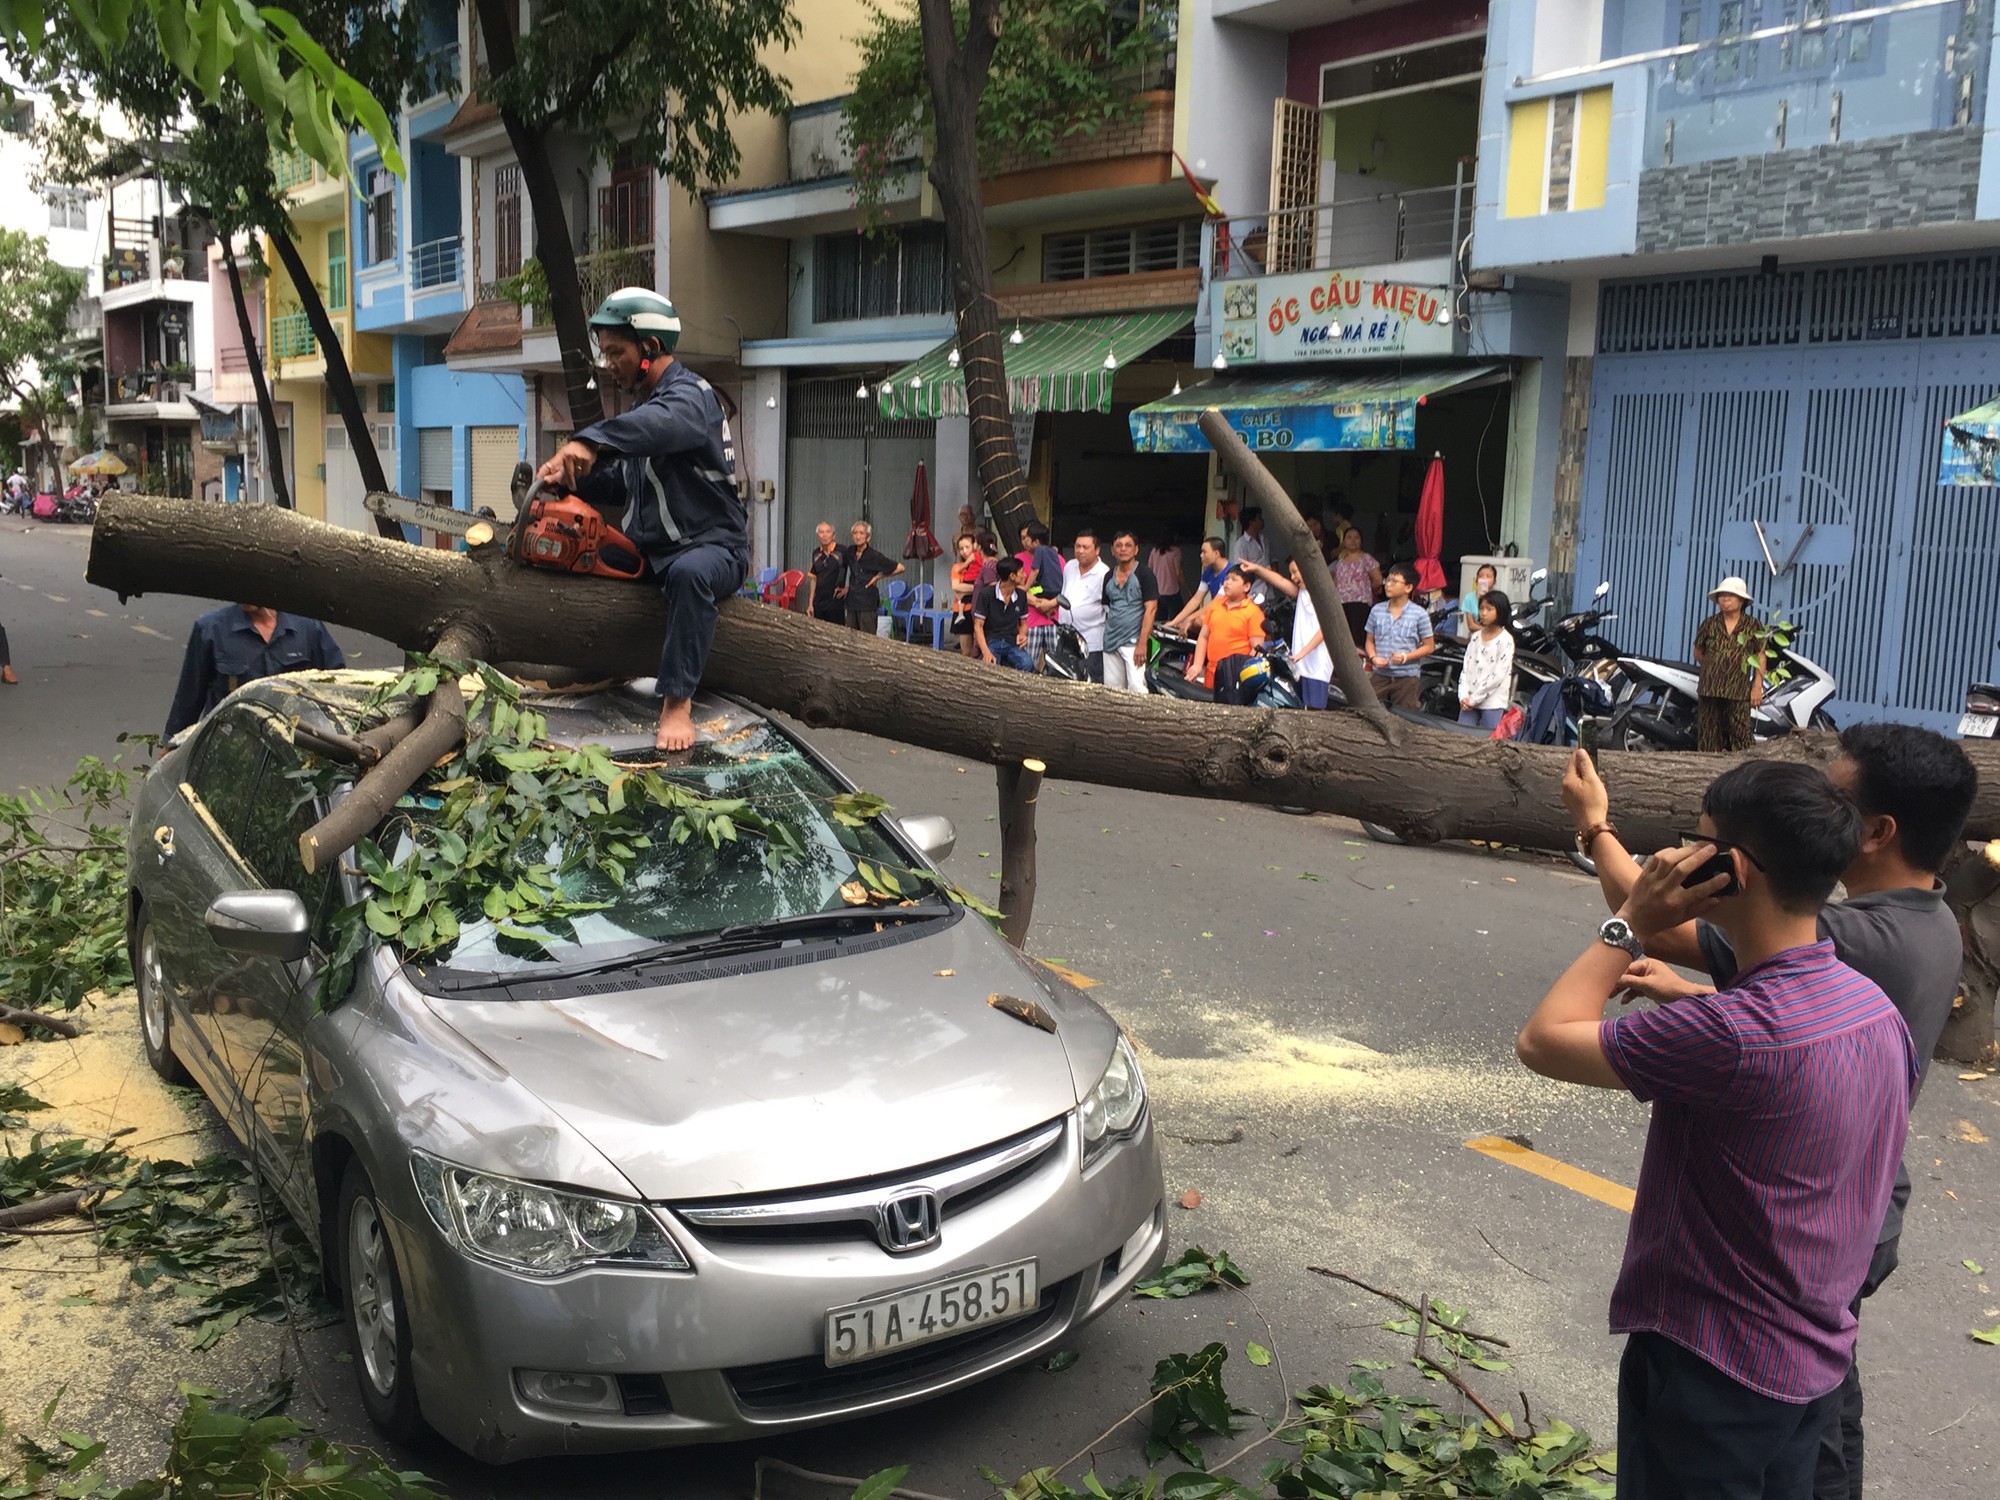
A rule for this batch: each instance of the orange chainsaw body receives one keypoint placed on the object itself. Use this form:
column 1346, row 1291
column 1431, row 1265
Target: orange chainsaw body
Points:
column 567, row 535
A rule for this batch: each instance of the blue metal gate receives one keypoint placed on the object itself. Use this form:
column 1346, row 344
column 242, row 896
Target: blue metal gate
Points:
column 1788, row 428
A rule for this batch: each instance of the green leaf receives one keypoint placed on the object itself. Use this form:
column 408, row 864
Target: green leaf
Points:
column 880, row 1485
column 1257, row 1354
column 1987, row 1335
column 1061, row 1360
column 1974, row 1267
column 379, row 920
column 215, row 45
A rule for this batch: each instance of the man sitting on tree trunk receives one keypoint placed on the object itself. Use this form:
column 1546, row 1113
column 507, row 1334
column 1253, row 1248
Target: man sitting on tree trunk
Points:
column 671, row 463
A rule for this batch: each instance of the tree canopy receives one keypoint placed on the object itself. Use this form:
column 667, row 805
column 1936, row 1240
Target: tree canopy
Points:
column 302, row 94
column 36, row 298
column 1060, row 68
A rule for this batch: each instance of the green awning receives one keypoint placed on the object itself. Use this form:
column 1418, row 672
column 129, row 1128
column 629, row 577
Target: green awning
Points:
column 1318, row 413
column 1057, row 366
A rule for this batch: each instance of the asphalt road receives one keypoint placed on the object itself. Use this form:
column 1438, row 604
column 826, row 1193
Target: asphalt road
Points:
column 1324, row 1023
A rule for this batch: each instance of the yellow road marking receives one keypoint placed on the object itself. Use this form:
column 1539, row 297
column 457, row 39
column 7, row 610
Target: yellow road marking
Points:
column 1603, row 1189
column 148, row 630
column 59, row 598
column 1081, row 981
column 98, row 613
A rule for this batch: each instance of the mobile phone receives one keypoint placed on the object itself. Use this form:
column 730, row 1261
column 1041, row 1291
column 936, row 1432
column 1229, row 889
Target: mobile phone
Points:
column 1718, row 863
column 1588, row 734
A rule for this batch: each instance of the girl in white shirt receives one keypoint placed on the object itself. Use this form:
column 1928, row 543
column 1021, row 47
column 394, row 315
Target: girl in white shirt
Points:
column 1486, row 683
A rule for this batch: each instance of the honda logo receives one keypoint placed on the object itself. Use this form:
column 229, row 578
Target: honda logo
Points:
column 908, row 1222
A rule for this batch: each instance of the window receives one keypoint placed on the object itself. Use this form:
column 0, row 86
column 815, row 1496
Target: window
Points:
column 336, row 270
column 894, row 273
column 17, row 117
column 380, row 215
column 1740, row 61
column 1127, row 251
column 385, row 397
column 283, row 809
column 225, row 769
column 507, row 221
column 68, row 208
column 1452, row 60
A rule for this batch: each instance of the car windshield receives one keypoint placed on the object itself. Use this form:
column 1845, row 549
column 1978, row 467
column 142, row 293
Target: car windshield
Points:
column 675, row 891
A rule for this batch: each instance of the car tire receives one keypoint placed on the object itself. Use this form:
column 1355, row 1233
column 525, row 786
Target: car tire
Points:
column 156, row 1014
column 1382, row 835
column 374, row 1308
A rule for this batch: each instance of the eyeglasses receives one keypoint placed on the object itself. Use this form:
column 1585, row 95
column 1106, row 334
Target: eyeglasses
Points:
column 1722, row 846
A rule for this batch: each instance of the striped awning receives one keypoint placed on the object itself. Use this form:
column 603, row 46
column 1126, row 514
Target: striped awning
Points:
column 1058, row 365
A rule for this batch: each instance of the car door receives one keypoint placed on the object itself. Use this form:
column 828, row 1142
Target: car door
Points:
column 282, row 997
column 194, row 846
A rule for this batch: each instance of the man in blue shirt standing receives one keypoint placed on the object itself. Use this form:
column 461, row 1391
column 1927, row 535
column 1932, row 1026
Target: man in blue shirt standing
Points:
column 670, row 462
column 239, row 643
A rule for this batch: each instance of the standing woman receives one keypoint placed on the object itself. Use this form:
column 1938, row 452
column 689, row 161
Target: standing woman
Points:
column 1486, row 681
column 1357, row 579
column 1729, row 647
column 1165, row 561
column 965, row 584
column 1483, row 583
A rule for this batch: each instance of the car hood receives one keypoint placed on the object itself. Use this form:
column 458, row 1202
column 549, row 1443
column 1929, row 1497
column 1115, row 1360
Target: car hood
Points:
column 851, row 1066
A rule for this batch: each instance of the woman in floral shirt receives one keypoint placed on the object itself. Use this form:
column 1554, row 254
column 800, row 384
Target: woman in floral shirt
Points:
column 1357, row 579
column 1729, row 647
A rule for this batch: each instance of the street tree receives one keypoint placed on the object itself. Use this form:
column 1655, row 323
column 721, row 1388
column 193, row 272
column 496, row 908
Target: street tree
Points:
column 37, row 297
column 964, row 83
column 657, row 78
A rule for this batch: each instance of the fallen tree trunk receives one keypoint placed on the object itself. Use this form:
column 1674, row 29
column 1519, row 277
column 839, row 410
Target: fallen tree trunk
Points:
column 1433, row 784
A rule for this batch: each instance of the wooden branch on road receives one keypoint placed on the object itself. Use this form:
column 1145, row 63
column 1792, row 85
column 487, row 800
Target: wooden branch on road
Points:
column 1020, row 784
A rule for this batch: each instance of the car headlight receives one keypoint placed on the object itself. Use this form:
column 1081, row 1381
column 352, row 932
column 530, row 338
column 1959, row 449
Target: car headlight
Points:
column 1113, row 1107
column 539, row 1230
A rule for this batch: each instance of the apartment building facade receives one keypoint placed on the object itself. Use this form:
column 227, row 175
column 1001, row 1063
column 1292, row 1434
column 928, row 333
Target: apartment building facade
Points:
column 1777, row 223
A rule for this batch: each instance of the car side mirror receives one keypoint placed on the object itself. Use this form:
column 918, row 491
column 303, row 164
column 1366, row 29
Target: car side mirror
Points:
column 260, row 924
column 932, row 833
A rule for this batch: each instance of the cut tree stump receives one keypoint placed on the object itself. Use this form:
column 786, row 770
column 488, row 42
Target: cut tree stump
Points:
column 1020, row 784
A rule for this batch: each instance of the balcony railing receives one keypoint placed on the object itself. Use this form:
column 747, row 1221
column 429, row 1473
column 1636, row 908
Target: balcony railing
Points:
column 148, row 385
column 1421, row 224
column 292, row 169
column 435, row 263
column 292, row 337
column 604, row 271
column 441, row 70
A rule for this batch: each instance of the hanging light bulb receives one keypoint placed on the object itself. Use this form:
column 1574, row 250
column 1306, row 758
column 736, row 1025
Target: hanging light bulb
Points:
column 1177, row 385
column 1015, row 337
column 1221, row 361
column 1110, row 359
column 952, row 358
column 861, row 391
column 916, row 382
column 771, row 402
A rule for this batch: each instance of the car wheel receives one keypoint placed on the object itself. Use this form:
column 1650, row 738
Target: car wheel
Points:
column 156, row 1019
column 378, row 1323
column 1380, row 834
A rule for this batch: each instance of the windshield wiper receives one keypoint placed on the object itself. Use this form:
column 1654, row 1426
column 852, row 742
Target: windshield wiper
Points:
column 833, row 921
column 741, row 937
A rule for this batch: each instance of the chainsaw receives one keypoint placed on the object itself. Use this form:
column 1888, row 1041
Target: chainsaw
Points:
column 568, row 535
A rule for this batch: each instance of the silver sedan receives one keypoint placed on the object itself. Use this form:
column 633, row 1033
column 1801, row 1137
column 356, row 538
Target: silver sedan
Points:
column 742, row 1160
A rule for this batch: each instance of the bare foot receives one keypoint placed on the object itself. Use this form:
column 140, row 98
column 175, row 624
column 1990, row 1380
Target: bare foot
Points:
column 676, row 726
column 7, row 676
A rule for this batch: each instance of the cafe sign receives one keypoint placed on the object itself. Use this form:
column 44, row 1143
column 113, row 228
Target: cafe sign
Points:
column 1337, row 314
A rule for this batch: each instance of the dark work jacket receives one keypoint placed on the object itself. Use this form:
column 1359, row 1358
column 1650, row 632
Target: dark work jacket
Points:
column 670, row 463
column 224, row 651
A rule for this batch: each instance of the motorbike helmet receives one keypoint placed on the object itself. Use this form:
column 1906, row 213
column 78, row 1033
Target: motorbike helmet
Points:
column 641, row 312
column 1255, row 672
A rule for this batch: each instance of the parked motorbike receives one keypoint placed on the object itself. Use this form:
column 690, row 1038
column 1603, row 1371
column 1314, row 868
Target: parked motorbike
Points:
column 1068, row 660
column 1657, row 711
column 77, row 505
column 1171, row 651
column 1982, row 712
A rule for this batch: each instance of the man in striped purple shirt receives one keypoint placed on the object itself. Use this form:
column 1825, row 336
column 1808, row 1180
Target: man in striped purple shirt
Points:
column 1780, row 1105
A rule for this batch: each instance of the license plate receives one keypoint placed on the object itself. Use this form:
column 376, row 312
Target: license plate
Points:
column 882, row 1325
column 1979, row 725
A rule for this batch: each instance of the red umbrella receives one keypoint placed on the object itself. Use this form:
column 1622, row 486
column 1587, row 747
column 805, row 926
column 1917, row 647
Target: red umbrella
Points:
column 920, row 543
column 1430, row 528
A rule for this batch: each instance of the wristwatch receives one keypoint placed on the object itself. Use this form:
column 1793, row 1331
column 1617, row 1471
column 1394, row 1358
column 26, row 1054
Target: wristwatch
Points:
column 1589, row 836
column 1619, row 934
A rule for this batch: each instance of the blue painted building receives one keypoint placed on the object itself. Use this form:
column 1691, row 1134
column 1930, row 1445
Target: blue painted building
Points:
column 457, row 433
column 1779, row 227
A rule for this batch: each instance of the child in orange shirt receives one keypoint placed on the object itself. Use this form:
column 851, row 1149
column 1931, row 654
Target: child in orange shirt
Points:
column 1231, row 632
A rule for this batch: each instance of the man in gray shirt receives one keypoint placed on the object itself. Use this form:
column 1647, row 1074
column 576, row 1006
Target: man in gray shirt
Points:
column 1914, row 788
